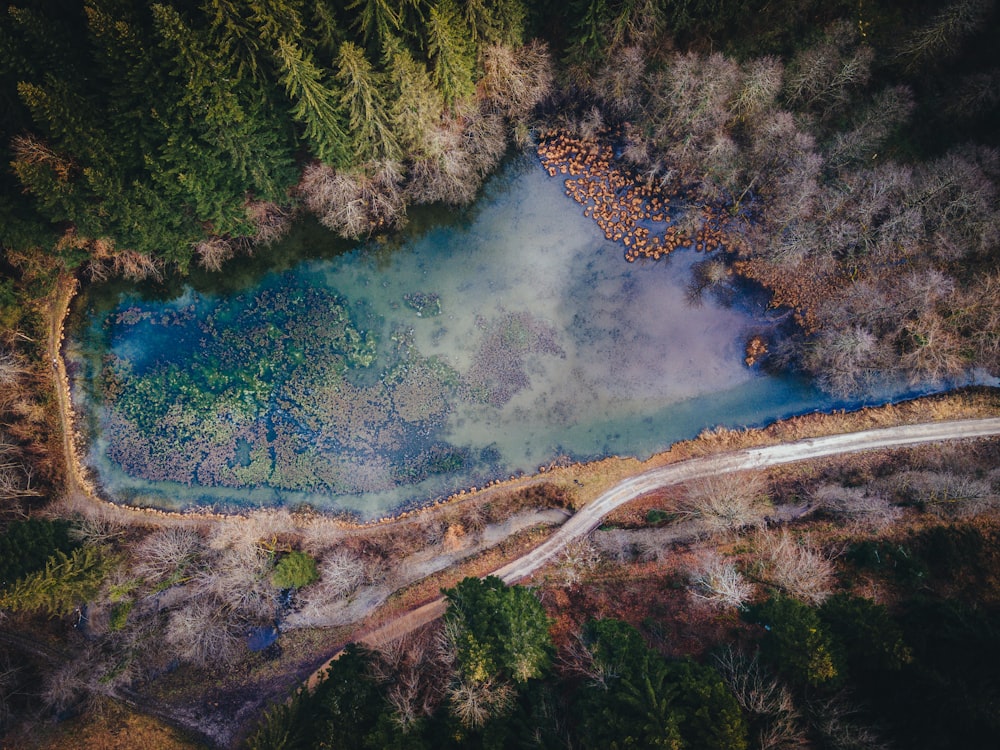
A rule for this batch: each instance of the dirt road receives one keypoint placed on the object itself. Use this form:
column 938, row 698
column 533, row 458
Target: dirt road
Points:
column 589, row 517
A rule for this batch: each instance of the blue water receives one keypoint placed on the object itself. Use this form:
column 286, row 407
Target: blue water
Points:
column 512, row 335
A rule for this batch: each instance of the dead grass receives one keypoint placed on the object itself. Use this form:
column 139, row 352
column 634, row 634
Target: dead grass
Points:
column 110, row 727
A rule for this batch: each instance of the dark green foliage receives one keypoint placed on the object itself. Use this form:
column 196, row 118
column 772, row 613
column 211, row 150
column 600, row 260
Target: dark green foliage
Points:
column 349, row 702
column 870, row 637
column 709, row 714
column 367, row 110
column 26, row 546
column 340, row 713
column 501, row 632
column 896, row 561
column 284, row 726
column 315, row 104
column 797, row 643
column 151, row 126
column 451, row 51
column 636, row 698
column 295, row 570
column 947, row 695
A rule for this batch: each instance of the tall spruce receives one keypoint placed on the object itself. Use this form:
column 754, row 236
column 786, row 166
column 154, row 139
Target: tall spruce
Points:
column 361, row 96
column 375, row 20
column 223, row 141
column 415, row 106
column 452, row 52
column 315, row 105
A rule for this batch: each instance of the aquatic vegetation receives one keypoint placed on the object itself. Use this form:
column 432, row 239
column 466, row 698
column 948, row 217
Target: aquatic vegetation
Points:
column 264, row 389
column 498, row 369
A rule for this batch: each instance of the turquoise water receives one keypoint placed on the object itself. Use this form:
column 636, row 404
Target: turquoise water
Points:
column 371, row 378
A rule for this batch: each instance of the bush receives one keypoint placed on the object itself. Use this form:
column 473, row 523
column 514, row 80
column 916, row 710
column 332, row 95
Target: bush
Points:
column 796, row 642
column 295, row 570
column 497, row 631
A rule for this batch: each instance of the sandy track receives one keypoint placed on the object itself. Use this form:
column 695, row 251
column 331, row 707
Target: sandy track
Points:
column 589, row 517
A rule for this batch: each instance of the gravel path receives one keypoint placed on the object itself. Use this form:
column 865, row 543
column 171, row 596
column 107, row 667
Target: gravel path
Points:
column 589, row 517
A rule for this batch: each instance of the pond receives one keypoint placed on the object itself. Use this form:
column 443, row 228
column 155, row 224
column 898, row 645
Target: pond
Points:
column 370, row 378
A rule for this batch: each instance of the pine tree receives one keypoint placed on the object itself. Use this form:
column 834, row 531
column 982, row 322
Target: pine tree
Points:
column 236, row 39
column 362, row 98
column 315, row 105
column 451, row 51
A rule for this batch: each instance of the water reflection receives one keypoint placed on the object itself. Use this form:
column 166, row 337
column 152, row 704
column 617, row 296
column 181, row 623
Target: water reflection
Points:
column 368, row 378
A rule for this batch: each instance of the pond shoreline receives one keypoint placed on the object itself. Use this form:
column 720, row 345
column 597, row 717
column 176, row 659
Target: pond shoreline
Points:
column 967, row 400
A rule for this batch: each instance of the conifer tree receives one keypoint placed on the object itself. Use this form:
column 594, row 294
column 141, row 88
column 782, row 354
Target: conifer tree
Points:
column 362, row 98
column 451, row 51
column 223, row 142
column 494, row 21
column 66, row 582
column 235, row 39
column 315, row 105
column 414, row 104
column 375, row 20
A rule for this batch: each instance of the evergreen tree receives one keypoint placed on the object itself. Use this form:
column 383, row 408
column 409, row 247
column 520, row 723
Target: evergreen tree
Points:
column 315, row 105
column 26, row 546
column 362, row 98
column 222, row 141
column 500, row 632
column 451, row 51
column 235, row 38
column 66, row 582
column 295, row 570
column 325, row 29
column 494, row 21
column 414, row 104
column 375, row 20
column 797, row 643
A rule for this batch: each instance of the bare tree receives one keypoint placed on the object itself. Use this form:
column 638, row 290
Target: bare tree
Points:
column 942, row 35
column 213, row 253
column 834, row 719
column 515, row 80
column 203, row 631
column 719, row 582
column 15, row 474
column 795, row 567
column 341, row 573
column 762, row 81
column 727, row 502
column 13, row 366
column 414, row 679
column 946, row 493
column 98, row 528
column 890, row 109
column 136, row 266
column 764, row 697
column 576, row 562
column 354, row 203
column 865, row 506
column 163, row 553
column 824, row 76
column 239, row 579
column 845, row 360
column 474, row 702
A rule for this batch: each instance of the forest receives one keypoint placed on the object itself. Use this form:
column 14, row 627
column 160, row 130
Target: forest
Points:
column 840, row 156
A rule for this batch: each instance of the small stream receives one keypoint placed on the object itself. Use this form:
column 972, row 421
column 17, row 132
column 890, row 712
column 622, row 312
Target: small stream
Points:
column 363, row 379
